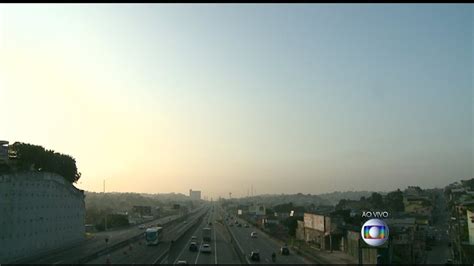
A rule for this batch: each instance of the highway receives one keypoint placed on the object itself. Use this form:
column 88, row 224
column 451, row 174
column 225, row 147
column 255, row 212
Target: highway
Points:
column 140, row 253
column 222, row 251
column 264, row 244
column 74, row 253
column 174, row 246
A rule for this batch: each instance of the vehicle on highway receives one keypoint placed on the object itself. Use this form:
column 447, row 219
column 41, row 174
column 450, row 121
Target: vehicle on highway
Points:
column 193, row 246
column 153, row 235
column 206, row 234
column 253, row 235
column 206, row 248
column 284, row 250
column 254, row 256
column 182, row 262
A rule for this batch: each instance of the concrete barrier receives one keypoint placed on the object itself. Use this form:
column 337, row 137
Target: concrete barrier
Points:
column 178, row 237
column 238, row 249
column 123, row 243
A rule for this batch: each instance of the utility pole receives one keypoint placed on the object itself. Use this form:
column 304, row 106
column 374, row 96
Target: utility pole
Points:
column 105, row 212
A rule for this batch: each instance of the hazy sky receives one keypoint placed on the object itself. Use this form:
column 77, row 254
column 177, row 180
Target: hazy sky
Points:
column 289, row 98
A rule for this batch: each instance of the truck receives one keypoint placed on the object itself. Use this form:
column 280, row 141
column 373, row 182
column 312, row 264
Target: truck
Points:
column 206, row 234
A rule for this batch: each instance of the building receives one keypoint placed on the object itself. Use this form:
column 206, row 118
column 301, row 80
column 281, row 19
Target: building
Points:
column 142, row 210
column 195, row 194
column 353, row 245
column 413, row 191
column 317, row 229
column 3, row 151
column 257, row 210
column 418, row 205
column 408, row 240
column 39, row 212
column 470, row 225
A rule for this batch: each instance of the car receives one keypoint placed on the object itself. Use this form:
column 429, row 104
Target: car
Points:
column 182, row 262
column 255, row 256
column 284, row 250
column 193, row 246
column 210, row 223
column 247, row 225
column 253, row 235
column 239, row 225
column 206, row 248
column 142, row 226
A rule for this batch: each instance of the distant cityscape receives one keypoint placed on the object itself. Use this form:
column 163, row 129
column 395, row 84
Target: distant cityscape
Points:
column 41, row 211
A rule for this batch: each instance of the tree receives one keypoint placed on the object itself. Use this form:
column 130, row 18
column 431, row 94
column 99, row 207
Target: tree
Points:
column 394, row 201
column 291, row 223
column 36, row 157
column 376, row 199
column 342, row 204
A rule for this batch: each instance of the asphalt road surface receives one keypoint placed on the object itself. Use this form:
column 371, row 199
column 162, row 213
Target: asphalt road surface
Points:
column 75, row 252
column 222, row 251
column 264, row 244
column 139, row 252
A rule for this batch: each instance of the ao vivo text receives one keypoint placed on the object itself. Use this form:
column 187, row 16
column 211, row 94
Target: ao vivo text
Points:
column 377, row 214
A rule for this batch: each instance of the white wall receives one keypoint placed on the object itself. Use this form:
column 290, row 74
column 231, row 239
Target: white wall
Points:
column 470, row 226
column 38, row 212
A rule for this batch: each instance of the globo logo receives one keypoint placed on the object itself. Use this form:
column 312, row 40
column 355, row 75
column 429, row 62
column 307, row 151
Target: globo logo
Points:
column 374, row 232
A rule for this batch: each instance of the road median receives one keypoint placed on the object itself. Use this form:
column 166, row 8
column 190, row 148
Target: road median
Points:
column 122, row 243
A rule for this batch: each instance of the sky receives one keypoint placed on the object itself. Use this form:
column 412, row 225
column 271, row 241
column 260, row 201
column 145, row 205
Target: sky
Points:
column 314, row 98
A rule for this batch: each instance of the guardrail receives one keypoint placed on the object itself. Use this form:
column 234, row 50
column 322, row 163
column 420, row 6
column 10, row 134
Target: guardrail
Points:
column 235, row 244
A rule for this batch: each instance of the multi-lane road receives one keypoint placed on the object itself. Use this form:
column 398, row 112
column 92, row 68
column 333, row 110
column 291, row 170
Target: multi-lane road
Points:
column 138, row 252
column 222, row 251
column 263, row 244
column 229, row 245
column 74, row 253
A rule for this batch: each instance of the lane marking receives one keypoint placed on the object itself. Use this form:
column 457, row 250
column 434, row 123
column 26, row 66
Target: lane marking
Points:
column 215, row 244
column 238, row 244
column 186, row 246
column 202, row 242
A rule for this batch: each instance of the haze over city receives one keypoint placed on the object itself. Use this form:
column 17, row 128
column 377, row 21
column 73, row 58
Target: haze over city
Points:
column 287, row 98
